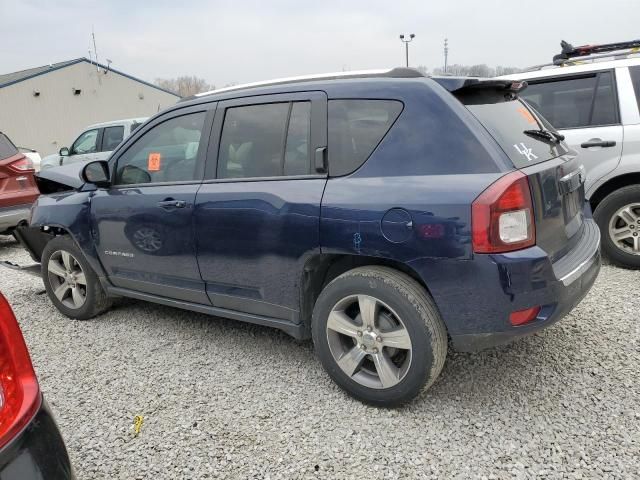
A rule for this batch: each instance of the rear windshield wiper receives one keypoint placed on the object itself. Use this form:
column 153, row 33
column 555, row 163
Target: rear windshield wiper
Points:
column 545, row 135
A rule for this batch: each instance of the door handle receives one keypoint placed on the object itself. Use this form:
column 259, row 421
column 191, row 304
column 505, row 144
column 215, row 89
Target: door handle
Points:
column 170, row 203
column 598, row 143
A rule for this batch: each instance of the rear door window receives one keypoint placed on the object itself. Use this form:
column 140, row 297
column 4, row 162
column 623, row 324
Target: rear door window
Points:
column 576, row 102
column 356, row 127
column 7, row 148
column 112, row 137
column 266, row 140
column 513, row 124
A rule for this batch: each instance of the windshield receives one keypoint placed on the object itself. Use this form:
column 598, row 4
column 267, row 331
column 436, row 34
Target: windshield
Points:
column 523, row 134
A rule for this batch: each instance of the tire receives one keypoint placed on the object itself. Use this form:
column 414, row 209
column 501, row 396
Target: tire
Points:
column 610, row 218
column 405, row 316
column 60, row 252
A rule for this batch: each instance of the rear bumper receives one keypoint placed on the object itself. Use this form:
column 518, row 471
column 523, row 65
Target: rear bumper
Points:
column 483, row 292
column 12, row 216
column 37, row 452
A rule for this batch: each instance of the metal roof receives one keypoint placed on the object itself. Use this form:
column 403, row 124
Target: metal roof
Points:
column 15, row 77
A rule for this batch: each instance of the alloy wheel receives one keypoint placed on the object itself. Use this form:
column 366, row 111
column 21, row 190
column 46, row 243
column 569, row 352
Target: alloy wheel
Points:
column 67, row 279
column 369, row 341
column 624, row 229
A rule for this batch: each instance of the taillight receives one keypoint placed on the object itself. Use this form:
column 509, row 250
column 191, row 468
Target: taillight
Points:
column 502, row 216
column 22, row 165
column 19, row 390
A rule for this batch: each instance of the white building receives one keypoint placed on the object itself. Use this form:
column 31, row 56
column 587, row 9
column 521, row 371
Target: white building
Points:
column 45, row 108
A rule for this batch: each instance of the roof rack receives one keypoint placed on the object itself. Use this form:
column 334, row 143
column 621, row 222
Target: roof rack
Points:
column 589, row 54
column 398, row 72
column 569, row 51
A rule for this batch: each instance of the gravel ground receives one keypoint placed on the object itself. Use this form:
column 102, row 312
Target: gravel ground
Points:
column 222, row 399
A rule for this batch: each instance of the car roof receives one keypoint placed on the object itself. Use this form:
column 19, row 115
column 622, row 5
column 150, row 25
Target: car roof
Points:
column 576, row 66
column 118, row 122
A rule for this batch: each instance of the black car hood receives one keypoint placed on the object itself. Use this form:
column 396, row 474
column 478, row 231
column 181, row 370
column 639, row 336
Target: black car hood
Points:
column 58, row 179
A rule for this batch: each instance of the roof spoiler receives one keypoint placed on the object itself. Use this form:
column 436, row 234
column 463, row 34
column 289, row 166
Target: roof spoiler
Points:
column 465, row 84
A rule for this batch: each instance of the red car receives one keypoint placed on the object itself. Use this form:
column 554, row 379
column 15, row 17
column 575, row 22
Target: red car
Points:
column 31, row 446
column 18, row 189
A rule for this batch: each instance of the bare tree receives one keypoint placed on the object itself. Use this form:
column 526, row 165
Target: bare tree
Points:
column 480, row 70
column 185, row 86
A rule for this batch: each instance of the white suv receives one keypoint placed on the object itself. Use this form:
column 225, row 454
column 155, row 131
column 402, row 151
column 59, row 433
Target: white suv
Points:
column 591, row 94
column 96, row 142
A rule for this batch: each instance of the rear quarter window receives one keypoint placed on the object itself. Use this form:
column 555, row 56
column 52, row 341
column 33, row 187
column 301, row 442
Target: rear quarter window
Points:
column 7, row 148
column 355, row 129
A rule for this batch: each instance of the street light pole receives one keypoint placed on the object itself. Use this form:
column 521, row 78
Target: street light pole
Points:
column 406, row 46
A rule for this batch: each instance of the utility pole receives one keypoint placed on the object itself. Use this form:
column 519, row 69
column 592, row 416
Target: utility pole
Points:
column 406, row 45
column 446, row 53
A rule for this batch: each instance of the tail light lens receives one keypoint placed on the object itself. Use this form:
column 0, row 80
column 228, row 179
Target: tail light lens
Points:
column 502, row 216
column 19, row 390
column 22, row 165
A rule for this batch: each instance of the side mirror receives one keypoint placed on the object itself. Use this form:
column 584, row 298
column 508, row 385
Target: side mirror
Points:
column 96, row 173
column 64, row 152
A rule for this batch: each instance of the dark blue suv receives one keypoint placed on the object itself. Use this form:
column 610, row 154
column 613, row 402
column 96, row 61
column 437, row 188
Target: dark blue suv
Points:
column 379, row 213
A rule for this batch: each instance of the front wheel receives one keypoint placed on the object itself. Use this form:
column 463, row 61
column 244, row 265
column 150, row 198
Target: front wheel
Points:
column 618, row 217
column 379, row 335
column 71, row 284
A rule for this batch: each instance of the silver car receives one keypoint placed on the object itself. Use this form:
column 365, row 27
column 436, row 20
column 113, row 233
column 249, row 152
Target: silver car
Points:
column 591, row 95
column 96, row 142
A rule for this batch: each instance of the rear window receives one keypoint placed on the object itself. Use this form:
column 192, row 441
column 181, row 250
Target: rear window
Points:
column 7, row 148
column 512, row 123
column 356, row 127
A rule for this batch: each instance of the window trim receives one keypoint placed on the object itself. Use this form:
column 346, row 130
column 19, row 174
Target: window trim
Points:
column 597, row 74
column 318, row 101
column 208, row 109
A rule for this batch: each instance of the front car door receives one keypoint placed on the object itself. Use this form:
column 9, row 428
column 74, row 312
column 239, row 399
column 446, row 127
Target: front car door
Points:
column 258, row 210
column 584, row 108
column 143, row 223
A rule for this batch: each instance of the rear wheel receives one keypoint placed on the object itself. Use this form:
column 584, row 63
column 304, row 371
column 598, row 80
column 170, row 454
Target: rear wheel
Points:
column 379, row 335
column 71, row 284
column 618, row 217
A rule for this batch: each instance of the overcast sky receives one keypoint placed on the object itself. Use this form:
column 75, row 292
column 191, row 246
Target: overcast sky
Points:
column 243, row 41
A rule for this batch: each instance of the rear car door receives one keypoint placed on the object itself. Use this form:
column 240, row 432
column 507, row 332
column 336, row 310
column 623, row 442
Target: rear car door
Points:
column 258, row 210
column 584, row 108
column 143, row 223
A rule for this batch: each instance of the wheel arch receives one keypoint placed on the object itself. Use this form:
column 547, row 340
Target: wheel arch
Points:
column 323, row 268
column 611, row 186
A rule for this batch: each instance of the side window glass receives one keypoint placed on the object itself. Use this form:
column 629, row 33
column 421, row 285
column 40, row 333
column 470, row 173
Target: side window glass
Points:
column 166, row 153
column 575, row 102
column 268, row 140
column 112, row 137
column 85, row 143
column 296, row 156
column 604, row 104
column 356, row 127
column 635, row 79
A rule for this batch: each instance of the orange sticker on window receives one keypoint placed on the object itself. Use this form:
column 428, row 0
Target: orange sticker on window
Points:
column 153, row 162
column 527, row 115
